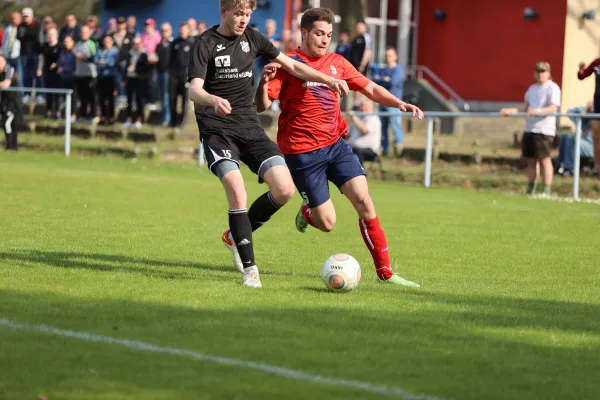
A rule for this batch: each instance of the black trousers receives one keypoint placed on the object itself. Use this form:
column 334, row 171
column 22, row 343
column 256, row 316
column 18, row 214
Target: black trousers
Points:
column 364, row 154
column 9, row 124
column 87, row 97
column 177, row 88
column 52, row 81
column 136, row 89
column 106, row 96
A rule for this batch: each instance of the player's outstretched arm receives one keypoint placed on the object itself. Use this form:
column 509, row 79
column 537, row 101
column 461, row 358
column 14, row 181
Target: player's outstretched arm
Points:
column 380, row 95
column 306, row 73
column 261, row 99
column 201, row 97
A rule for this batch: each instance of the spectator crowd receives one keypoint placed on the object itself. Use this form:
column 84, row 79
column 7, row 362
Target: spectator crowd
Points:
column 121, row 67
column 105, row 68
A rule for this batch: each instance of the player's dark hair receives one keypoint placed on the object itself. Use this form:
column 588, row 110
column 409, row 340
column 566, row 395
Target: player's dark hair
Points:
column 314, row 15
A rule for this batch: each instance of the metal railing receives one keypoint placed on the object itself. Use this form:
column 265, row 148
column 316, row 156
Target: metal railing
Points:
column 418, row 71
column 68, row 105
column 430, row 116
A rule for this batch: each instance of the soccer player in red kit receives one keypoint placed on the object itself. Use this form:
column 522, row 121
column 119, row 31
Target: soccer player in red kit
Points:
column 311, row 137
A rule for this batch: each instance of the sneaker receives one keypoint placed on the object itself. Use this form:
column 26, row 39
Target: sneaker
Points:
column 229, row 243
column 301, row 224
column 251, row 277
column 397, row 280
column 137, row 125
column 40, row 100
column 127, row 124
column 26, row 98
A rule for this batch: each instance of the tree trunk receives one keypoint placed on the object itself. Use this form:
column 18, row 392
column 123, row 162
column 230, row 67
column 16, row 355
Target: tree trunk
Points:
column 351, row 12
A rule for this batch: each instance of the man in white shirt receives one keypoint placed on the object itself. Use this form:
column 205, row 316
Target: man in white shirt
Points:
column 543, row 97
column 364, row 134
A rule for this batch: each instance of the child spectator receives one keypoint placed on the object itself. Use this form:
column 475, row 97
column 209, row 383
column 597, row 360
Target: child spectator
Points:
column 107, row 64
column 66, row 68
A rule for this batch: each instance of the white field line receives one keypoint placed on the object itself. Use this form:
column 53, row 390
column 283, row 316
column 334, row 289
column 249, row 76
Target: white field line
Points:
column 559, row 199
column 271, row 369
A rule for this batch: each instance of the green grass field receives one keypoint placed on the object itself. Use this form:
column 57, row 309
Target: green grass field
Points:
column 509, row 304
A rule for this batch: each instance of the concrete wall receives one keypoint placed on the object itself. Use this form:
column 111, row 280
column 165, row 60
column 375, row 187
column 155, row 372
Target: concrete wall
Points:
column 582, row 43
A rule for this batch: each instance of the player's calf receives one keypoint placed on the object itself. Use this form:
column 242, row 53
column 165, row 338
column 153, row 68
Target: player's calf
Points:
column 231, row 179
column 322, row 217
column 277, row 176
column 357, row 191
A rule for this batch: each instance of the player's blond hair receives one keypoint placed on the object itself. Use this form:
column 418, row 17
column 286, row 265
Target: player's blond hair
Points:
column 236, row 4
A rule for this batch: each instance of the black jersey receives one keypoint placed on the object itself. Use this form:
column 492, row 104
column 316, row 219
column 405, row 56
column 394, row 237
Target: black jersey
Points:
column 9, row 100
column 226, row 64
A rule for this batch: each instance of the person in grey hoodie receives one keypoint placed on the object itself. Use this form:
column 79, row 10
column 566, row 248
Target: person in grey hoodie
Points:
column 137, row 75
column 85, row 74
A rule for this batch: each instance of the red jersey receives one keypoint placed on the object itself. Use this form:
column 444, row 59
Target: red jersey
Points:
column 310, row 112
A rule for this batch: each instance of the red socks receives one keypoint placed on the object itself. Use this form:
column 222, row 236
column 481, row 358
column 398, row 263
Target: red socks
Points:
column 307, row 215
column 374, row 238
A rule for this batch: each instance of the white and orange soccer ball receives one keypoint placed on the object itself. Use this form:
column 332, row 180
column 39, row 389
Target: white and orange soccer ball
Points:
column 341, row 273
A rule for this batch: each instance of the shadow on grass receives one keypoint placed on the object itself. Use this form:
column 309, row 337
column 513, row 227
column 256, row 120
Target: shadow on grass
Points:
column 112, row 262
column 441, row 351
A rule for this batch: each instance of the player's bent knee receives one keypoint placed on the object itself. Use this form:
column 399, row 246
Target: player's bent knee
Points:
column 325, row 223
column 275, row 172
column 328, row 224
column 284, row 192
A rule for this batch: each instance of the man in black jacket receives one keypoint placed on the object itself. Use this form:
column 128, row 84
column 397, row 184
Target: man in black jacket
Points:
column 11, row 109
column 29, row 36
column 163, row 53
column 178, row 67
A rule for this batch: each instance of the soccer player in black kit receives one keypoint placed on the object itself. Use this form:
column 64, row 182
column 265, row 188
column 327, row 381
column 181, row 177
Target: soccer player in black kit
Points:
column 222, row 88
column 11, row 109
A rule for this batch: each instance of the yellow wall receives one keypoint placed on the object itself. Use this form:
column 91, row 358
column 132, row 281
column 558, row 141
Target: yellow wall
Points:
column 582, row 43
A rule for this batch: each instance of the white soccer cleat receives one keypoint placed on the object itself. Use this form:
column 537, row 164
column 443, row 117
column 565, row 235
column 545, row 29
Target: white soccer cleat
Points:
column 230, row 244
column 251, row 277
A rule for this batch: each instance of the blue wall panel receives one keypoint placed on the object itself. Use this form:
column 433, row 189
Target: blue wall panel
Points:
column 177, row 11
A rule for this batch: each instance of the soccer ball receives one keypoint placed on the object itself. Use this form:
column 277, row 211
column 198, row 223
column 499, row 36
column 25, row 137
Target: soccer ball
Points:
column 341, row 273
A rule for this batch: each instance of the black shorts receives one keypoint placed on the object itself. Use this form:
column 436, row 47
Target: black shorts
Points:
column 250, row 145
column 536, row 145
